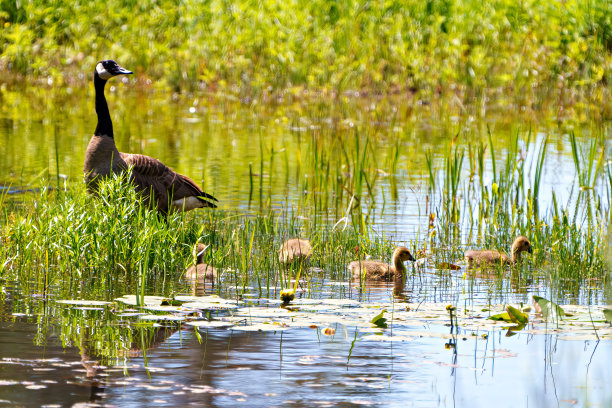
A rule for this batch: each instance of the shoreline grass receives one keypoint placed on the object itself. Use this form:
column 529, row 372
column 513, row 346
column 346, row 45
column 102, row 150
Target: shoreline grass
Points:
column 477, row 194
column 282, row 45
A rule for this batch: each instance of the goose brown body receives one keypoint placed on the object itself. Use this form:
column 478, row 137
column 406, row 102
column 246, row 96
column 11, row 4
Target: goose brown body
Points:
column 381, row 271
column 293, row 250
column 489, row 258
column 162, row 187
column 201, row 272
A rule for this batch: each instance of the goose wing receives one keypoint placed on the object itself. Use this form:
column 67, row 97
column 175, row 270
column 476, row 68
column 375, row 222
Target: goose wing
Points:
column 149, row 172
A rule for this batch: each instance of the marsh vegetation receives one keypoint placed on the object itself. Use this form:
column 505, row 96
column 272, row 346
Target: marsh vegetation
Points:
column 438, row 126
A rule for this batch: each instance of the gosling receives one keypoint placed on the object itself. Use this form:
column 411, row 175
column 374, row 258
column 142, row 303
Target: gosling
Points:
column 295, row 250
column 483, row 259
column 381, row 271
column 201, row 272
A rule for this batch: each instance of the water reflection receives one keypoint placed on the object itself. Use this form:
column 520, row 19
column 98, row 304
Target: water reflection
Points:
column 294, row 151
column 303, row 367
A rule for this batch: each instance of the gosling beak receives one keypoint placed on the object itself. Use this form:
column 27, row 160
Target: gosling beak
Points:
column 411, row 258
column 530, row 250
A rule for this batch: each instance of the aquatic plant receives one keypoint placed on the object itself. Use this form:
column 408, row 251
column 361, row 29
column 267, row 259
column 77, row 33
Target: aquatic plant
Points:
column 103, row 247
column 569, row 241
column 431, row 46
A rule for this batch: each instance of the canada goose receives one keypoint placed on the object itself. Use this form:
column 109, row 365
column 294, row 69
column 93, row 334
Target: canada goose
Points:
column 201, row 272
column 293, row 250
column 156, row 181
column 482, row 259
column 381, row 271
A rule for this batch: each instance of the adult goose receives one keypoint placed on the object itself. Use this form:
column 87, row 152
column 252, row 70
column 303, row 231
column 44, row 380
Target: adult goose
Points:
column 488, row 258
column 381, row 271
column 162, row 187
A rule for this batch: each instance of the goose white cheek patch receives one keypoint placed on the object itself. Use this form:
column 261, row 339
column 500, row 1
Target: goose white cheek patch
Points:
column 102, row 73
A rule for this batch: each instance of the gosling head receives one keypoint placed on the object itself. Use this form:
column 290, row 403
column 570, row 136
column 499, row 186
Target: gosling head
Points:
column 108, row 68
column 200, row 252
column 403, row 254
column 521, row 244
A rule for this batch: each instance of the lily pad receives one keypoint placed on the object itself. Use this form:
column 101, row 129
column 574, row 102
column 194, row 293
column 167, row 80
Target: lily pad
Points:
column 260, row 327
column 379, row 320
column 209, row 306
column 516, row 315
column 209, row 324
column 608, row 314
column 547, row 308
column 377, row 337
column 148, row 300
column 169, row 318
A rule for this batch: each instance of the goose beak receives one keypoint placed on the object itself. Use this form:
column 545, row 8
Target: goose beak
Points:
column 122, row 70
column 411, row 258
column 530, row 250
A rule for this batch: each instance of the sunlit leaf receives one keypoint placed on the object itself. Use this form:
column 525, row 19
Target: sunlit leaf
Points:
column 547, row 308
column 608, row 314
column 379, row 320
column 501, row 317
column 516, row 315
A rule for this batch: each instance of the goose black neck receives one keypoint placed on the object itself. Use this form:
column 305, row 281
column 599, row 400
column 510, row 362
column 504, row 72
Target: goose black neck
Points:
column 105, row 125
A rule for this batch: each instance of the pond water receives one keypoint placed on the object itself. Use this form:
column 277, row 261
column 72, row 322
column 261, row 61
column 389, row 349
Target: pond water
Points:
column 254, row 155
column 227, row 367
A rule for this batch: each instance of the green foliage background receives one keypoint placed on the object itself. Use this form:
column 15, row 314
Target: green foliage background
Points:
column 247, row 45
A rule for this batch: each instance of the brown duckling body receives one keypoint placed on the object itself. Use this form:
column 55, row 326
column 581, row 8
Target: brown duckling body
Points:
column 293, row 250
column 488, row 258
column 381, row 271
column 201, row 273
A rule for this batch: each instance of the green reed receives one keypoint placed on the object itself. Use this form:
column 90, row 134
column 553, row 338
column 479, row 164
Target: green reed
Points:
column 106, row 246
column 569, row 241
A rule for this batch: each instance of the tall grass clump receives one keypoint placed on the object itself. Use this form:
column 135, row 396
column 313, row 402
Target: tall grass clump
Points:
column 75, row 245
column 569, row 240
column 72, row 239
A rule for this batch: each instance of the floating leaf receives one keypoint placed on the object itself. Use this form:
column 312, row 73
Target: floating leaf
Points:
column 547, row 308
column 379, row 320
column 516, row 315
column 209, row 324
column 378, row 337
column 170, row 318
column 608, row 314
column 260, row 327
column 148, row 300
column 501, row 317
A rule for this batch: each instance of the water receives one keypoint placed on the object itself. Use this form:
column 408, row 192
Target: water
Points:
column 302, row 367
column 216, row 141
